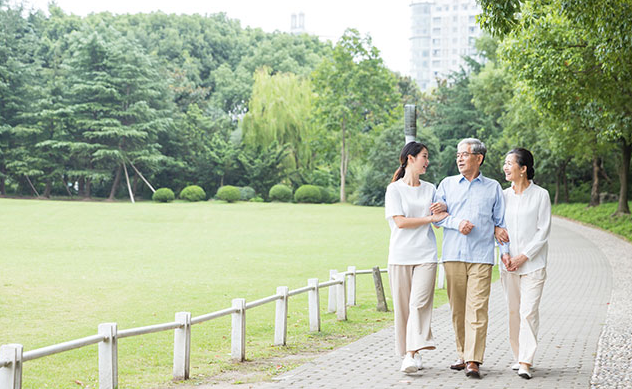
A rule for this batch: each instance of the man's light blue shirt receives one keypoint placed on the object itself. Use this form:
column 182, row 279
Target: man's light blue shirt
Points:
column 481, row 202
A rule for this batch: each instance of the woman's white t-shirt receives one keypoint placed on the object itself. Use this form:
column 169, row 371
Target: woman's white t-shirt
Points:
column 410, row 246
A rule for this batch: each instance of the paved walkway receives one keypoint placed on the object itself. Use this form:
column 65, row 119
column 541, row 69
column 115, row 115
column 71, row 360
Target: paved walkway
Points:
column 573, row 313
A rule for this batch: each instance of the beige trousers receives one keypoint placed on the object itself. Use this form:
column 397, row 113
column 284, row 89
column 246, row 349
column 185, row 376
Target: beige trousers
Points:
column 468, row 293
column 412, row 288
column 523, row 293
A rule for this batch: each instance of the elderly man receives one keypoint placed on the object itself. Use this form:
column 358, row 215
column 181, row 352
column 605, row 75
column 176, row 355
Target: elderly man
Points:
column 476, row 206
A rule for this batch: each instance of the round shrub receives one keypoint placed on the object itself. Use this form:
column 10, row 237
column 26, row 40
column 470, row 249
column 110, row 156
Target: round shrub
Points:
column 163, row 195
column 193, row 193
column 257, row 199
column 280, row 192
column 228, row 193
column 327, row 195
column 247, row 193
column 307, row 194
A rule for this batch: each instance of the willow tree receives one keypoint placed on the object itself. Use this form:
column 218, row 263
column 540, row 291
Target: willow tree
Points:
column 280, row 111
column 355, row 93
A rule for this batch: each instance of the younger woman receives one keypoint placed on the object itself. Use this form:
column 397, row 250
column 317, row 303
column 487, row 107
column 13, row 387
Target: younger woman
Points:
column 412, row 258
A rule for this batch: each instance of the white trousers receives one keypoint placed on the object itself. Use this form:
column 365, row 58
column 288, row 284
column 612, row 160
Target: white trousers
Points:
column 412, row 288
column 523, row 293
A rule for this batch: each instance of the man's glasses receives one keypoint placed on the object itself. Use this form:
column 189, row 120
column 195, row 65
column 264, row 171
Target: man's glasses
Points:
column 464, row 154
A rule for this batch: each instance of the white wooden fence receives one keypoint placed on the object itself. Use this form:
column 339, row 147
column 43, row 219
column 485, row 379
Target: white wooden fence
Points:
column 342, row 292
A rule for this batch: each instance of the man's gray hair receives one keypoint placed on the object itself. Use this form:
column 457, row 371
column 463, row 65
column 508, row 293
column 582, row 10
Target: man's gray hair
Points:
column 476, row 147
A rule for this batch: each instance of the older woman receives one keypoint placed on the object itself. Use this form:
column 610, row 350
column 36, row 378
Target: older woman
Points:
column 523, row 267
column 412, row 256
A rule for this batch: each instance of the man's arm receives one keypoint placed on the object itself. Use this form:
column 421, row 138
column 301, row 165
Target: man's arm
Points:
column 440, row 196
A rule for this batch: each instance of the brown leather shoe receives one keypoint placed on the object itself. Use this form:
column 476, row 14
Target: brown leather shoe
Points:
column 459, row 364
column 471, row 370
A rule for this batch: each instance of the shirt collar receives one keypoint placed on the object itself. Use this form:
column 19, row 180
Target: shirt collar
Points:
column 479, row 177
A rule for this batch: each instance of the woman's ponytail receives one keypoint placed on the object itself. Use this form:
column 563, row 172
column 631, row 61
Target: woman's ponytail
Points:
column 411, row 148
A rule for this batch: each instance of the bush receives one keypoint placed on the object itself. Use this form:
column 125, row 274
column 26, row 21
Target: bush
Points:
column 257, row 199
column 327, row 195
column 229, row 193
column 308, row 194
column 280, row 192
column 193, row 193
column 246, row 193
column 163, row 195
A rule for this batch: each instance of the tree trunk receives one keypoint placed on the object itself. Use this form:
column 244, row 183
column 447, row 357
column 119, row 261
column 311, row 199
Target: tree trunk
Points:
column 82, row 187
column 343, row 164
column 624, row 172
column 47, row 189
column 115, row 184
column 594, row 191
column 557, row 188
column 135, row 185
column 66, row 185
column 87, row 194
column 2, row 187
column 565, row 181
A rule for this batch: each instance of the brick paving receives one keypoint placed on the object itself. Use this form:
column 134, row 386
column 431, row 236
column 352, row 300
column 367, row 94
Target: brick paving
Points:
column 572, row 314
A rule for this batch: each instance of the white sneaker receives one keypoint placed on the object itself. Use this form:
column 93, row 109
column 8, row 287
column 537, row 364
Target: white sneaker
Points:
column 515, row 366
column 524, row 373
column 417, row 359
column 408, row 365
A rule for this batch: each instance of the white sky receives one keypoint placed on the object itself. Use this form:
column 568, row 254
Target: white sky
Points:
column 388, row 22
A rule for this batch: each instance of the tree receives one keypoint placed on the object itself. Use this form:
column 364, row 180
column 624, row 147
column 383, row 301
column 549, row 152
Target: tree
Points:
column 355, row 93
column 280, row 111
column 577, row 56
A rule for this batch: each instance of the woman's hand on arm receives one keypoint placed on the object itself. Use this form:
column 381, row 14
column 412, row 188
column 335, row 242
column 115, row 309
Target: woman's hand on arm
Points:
column 414, row 222
column 516, row 262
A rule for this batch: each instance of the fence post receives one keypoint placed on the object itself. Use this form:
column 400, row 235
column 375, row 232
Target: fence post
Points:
column 108, row 357
column 379, row 290
column 341, row 311
column 441, row 277
column 280, row 321
column 11, row 376
column 238, row 336
column 351, row 285
column 331, row 306
column 313, row 297
column 182, row 347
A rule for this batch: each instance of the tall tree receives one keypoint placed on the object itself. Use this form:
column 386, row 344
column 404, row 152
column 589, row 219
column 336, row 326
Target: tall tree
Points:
column 355, row 92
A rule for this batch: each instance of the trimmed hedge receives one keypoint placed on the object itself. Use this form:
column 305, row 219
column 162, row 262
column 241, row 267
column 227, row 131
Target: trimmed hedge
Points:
column 193, row 193
column 229, row 193
column 163, row 195
column 246, row 193
column 308, row 194
column 280, row 192
column 327, row 195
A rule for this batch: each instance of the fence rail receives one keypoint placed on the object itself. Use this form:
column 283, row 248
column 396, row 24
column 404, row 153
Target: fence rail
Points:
column 341, row 293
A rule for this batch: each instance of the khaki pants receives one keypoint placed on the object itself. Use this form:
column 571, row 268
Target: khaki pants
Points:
column 523, row 293
column 468, row 292
column 412, row 288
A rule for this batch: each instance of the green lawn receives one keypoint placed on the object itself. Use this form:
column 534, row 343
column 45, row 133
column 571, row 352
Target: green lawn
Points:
column 600, row 216
column 67, row 266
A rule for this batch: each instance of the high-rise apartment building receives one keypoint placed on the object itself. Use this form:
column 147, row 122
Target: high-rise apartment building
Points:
column 443, row 32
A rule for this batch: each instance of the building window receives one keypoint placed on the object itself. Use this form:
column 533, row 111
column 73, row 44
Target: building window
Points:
column 472, row 19
column 436, row 42
column 464, row 6
column 436, row 31
column 436, row 20
column 425, row 53
column 435, row 53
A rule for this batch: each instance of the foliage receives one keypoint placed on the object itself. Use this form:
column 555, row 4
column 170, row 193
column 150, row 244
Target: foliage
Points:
column 327, row 195
column 163, row 195
column 383, row 160
column 229, row 193
column 279, row 111
column 280, row 192
column 308, row 194
column 602, row 216
column 246, row 193
column 263, row 165
column 193, row 193
column 355, row 94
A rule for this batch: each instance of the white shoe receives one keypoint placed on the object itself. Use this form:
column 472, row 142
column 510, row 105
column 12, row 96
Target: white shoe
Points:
column 417, row 359
column 515, row 366
column 408, row 365
column 524, row 373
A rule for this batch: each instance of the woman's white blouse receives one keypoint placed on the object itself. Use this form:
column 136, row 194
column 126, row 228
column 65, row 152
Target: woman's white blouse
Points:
column 410, row 246
column 528, row 218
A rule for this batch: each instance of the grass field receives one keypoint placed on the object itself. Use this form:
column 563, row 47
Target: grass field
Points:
column 600, row 216
column 67, row 266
